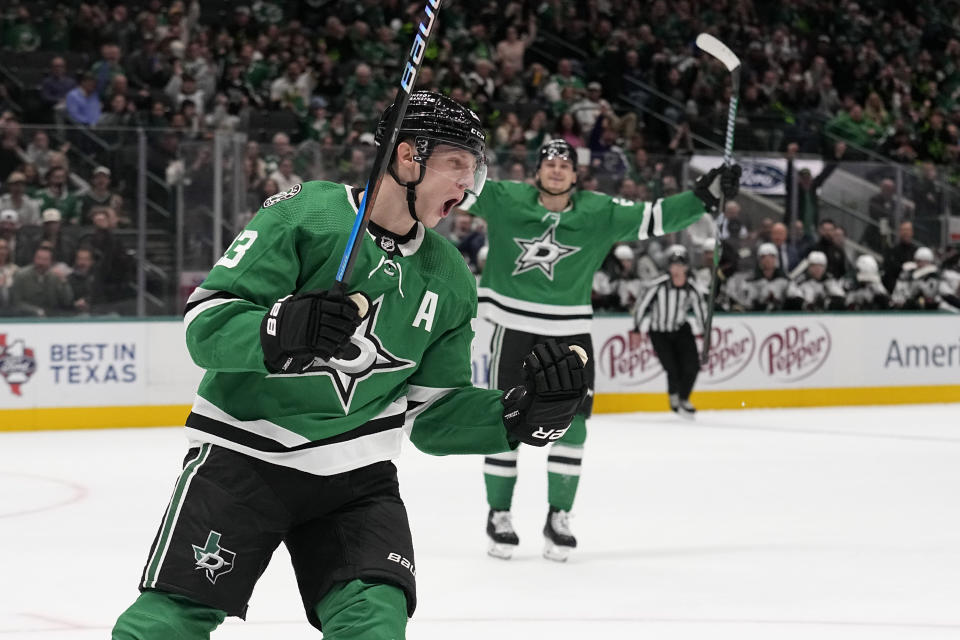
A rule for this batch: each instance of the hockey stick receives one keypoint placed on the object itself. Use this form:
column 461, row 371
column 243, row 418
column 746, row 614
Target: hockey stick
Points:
column 385, row 150
column 721, row 52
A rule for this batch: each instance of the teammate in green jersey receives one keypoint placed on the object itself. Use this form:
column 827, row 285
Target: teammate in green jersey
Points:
column 307, row 394
column 545, row 243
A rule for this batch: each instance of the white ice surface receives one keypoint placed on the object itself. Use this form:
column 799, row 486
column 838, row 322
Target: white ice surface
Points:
column 764, row 524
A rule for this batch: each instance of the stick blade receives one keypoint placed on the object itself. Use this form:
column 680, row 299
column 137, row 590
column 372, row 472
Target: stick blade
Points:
column 718, row 50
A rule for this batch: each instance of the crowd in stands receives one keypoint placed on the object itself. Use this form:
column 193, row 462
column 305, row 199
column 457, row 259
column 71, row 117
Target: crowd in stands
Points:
column 53, row 268
column 619, row 79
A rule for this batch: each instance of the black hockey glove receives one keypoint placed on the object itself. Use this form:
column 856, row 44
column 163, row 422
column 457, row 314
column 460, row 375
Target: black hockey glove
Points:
column 540, row 410
column 316, row 324
column 723, row 179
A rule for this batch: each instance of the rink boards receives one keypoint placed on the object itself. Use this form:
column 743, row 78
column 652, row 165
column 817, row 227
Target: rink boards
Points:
column 65, row 375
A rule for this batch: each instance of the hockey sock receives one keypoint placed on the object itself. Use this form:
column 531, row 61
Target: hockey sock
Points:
column 157, row 615
column 563, row 465
column 358, row 610
column 500, row 476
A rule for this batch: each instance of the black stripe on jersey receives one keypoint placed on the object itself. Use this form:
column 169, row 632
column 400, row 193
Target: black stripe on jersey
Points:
column 500, row 463
column 565, row 460
column 261, row 443
column 219, row 295
column 534, row 314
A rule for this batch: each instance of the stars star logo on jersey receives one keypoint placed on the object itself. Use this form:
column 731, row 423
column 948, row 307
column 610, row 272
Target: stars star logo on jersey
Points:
column 365, row 357
column 542, row 253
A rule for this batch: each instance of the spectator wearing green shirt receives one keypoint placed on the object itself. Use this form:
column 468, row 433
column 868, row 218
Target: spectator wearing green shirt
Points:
column 99, row 195
column 854, row 127
column 385, row 51
column 57, row 195
column 20, row 34
column 38, row 290
column 476, row 45
column 564, row 77
column 363, row 87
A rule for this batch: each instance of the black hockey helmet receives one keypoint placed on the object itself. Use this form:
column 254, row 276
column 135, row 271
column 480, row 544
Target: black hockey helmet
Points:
column 557, row 148
column 432, row 119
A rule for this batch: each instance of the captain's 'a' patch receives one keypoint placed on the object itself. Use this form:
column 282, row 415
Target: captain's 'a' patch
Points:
column 542, row 253
column 365, row 357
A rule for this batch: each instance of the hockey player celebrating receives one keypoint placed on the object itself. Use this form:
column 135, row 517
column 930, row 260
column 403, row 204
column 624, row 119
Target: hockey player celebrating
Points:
column 307, row 394
column 814, row 290
column 546, row 242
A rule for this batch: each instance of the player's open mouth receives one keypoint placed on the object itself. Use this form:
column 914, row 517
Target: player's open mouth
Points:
column 448, row 206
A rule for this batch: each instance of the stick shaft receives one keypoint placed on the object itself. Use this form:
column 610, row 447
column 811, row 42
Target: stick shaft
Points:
column 392, row 130
column 718, row 246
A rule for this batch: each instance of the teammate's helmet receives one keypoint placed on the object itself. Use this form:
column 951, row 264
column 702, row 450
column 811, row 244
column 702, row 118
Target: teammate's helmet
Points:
column 677, row 253
column 557, row 148
column 432, row 119
column 817, row 257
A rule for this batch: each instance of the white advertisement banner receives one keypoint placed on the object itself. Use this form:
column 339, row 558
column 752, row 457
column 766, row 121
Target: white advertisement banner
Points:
column 788, row 351
column 113, row 364
column 92, row 364
column 764, row 175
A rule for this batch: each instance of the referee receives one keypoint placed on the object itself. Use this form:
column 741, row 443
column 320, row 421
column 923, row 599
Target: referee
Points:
column 667, row 302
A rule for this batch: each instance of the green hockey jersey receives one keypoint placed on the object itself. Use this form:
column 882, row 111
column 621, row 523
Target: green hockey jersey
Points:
column 540, row 265
column 409, row 366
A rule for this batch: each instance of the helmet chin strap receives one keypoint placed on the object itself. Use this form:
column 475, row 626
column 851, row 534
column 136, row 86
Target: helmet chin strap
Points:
column 411, row 189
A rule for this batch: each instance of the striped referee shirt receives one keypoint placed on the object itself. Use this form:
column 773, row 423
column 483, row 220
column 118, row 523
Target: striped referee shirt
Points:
column 668, row 305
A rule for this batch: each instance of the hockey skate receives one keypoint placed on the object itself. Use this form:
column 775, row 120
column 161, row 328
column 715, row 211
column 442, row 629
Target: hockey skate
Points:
column 558, row 541
column 686, row 410
column 674, row 402
column 503, row 539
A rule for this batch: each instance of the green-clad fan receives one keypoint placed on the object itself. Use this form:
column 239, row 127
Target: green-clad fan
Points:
column 545, row 243
column 307, row 394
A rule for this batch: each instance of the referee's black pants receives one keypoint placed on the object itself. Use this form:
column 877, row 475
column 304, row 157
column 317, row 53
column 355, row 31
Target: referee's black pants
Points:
column 677, row 351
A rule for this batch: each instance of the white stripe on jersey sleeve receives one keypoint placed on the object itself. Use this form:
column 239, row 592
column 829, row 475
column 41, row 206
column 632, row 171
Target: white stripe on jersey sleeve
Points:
column 645, row 222
column 426, row 396
column 191, row 315
column 658, row 217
